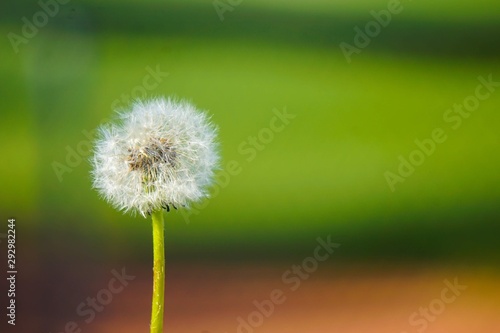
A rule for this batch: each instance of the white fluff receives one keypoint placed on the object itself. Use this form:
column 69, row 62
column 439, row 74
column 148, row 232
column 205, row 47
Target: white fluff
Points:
column 162, row 153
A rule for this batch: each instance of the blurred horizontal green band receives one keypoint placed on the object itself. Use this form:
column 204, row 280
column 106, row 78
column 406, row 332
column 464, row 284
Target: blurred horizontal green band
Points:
column 403, row 34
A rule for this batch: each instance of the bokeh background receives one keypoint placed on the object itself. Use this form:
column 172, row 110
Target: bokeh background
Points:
column 322, row 176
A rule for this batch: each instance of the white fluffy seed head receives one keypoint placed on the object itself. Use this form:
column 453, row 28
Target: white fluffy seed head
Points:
column 162, row 153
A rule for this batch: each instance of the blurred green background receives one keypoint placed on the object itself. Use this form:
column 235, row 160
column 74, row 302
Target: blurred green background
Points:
column 323, row 174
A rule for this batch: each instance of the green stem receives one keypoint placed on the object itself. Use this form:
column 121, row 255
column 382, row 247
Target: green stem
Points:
column 158, row 272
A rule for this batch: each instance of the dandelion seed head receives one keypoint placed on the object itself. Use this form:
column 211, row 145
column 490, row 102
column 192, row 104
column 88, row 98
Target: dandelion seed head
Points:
column 162, row 152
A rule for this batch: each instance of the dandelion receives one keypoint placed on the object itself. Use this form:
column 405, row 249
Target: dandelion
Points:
column 161, row 155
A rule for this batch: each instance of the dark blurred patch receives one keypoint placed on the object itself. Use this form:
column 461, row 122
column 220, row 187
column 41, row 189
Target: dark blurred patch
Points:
column 402, row 35
column 466, row 235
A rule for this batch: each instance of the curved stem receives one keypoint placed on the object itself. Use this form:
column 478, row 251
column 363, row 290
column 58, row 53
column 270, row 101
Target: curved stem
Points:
column 158, row 272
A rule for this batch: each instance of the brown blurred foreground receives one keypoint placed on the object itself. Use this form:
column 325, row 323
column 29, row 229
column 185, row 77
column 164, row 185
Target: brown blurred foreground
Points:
column 209, row 298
